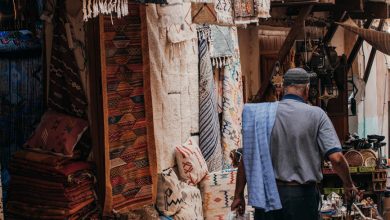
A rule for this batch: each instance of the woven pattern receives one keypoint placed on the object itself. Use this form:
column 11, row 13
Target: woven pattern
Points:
column 354, row 158
column 191, row 164
column 233, row 104
column 217, row 193
column 192, row 204
column 209, row 130
column 66, row 93
column 169, row 193
column 129, row 173
column 219, row 12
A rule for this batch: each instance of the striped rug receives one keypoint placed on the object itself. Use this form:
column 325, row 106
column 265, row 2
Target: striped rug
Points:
column 209, row 128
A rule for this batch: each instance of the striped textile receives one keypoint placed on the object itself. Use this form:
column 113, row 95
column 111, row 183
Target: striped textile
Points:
column 378, row 39
column 209, row 129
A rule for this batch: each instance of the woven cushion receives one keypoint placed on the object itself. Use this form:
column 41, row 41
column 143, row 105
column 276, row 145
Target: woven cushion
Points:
column 192, row 206
column 217, row 190
column 169, row 194
column 57, row 133
column 192, row 166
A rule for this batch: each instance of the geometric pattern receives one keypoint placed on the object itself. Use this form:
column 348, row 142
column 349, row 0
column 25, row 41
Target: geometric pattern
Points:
column 129, row 173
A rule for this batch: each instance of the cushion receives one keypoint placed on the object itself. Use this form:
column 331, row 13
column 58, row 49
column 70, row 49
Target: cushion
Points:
column 192, row 204
column 169, row 194
column 57, row 133
column 217, row 191
column 192, row 166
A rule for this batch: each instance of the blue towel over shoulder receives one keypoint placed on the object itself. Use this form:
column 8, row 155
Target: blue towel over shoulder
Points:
column 258, row 121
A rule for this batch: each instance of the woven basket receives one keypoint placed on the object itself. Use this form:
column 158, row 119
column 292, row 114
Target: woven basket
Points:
column 368, row 153
column 354, row 158
column 370, row 162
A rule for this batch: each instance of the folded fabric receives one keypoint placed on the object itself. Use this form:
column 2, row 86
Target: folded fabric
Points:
column 258, row 121
column 47, row 197
column 40, row 158
column 42, row 210
column 191, row 164
column 45, row 201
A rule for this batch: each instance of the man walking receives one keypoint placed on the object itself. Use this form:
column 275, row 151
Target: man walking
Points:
column 300, row 137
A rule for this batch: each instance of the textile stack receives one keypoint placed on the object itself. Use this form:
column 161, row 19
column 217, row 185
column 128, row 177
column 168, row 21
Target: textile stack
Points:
column 45, row 186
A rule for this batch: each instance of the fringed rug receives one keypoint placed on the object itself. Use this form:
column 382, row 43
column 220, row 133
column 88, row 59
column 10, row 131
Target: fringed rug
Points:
column 130, row 175
column 209, row 128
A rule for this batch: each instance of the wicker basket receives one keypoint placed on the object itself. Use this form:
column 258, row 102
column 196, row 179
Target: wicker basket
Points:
column 354, row 158
column 369, row 157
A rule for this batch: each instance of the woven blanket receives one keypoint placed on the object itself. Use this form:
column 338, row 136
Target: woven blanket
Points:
column 221, row 45
column 130, row 175
column 209, row 129
column 66, row 93
column 233, row 104
column 258, row 121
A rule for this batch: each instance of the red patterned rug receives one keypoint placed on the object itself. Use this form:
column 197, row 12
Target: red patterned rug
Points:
column 129, row 173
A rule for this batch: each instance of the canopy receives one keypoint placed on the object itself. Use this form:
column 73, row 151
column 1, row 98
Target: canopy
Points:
column 378, row 39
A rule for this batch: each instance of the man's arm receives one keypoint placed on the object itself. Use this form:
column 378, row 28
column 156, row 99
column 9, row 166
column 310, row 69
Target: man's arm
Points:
column 239, row 200
column 340, row 166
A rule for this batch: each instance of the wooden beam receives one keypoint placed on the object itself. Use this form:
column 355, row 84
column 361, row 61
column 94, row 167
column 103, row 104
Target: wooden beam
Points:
column 350, row 5
column 357, row 46
column 287, row 3
column 339, row 17
column 379, row 10
column 372, row 55
column 295, row 30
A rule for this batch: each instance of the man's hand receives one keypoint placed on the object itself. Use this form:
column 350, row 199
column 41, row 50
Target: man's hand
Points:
column 350, row 193
column 238, row 205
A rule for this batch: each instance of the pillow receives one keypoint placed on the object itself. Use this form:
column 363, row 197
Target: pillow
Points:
column 169, row 193
column 192, row 203
column 57, row 133
column 191, row 163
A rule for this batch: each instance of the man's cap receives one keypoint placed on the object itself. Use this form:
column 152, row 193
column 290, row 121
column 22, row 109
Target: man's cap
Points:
column 296, row 76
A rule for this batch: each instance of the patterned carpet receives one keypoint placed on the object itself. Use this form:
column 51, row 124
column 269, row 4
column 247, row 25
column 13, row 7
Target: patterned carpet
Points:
column 129, row 173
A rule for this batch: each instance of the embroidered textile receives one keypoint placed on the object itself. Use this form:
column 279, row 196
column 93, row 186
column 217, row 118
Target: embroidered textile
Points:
column 219, row 12
column 192, row 204
column 245, row 12
column 130, row 176
column 169, row 193
column 258, row 121
column 66, row 93
column 217, row 190
column 233, row 103
column 209, row 129
column 190, row 161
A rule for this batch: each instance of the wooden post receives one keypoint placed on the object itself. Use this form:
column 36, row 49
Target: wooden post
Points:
column 285, row 49
column 372, row 55
column 339, row 17
column 357, row 46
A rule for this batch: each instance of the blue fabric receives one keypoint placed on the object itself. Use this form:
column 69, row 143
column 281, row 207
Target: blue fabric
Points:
column 293, row 97
column 258, row 121
column 331, row 151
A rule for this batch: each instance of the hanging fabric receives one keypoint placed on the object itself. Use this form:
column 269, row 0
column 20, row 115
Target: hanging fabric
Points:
column 221, row 45
column 66, row 93
column 380, row 40
column 218, row 12
column 92, row 8
column 209, row 128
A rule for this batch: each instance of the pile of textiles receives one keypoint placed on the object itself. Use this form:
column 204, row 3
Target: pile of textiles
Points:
column 45, row 186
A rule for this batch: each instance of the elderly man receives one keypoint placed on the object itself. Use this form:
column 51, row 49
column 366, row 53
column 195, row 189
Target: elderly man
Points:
column 300, row 138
